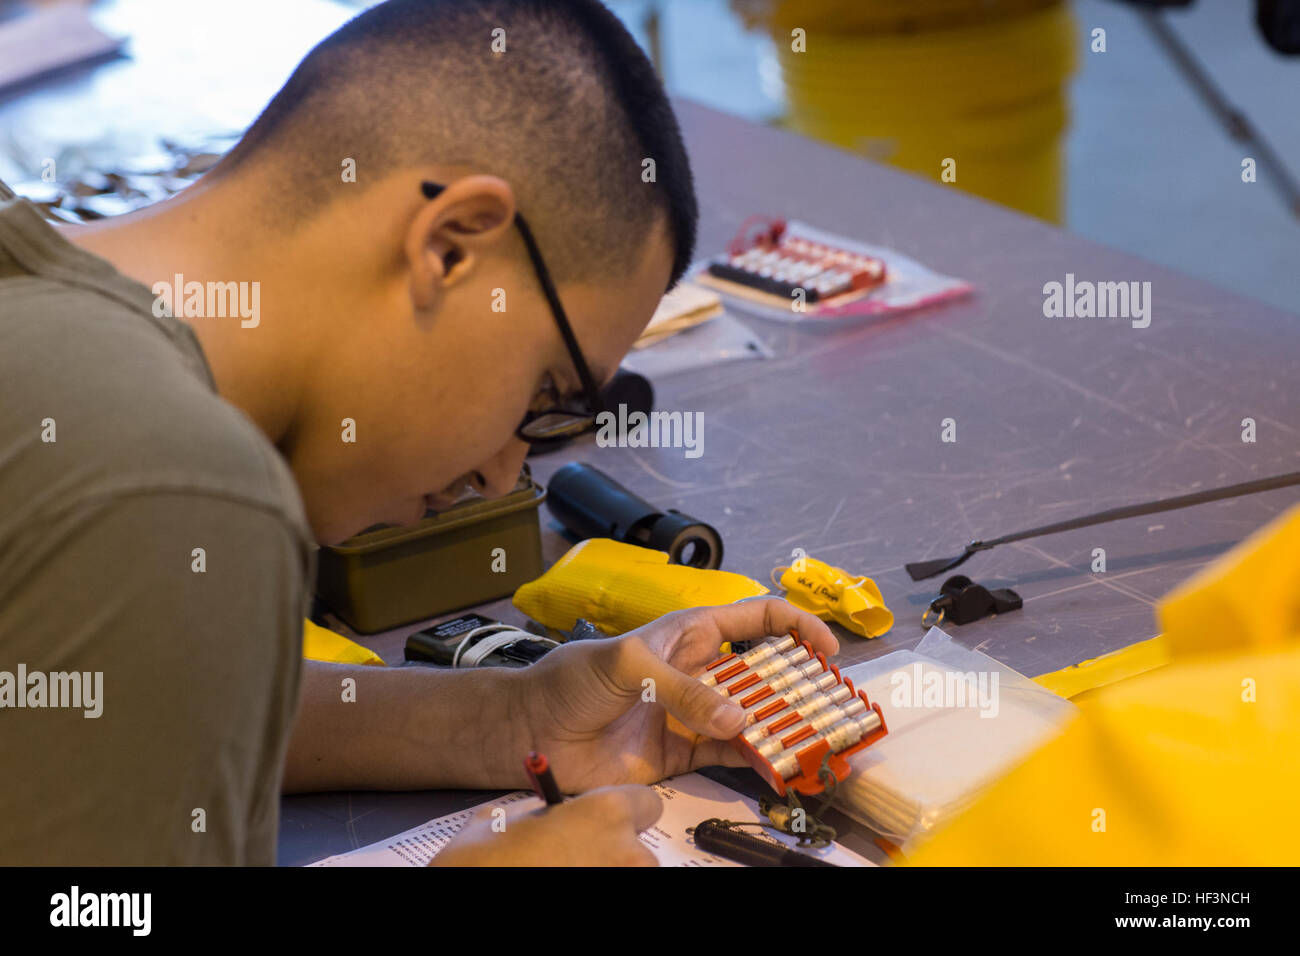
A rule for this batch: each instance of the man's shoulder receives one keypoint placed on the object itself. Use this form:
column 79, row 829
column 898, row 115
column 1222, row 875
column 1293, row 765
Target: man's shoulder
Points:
column 103, row 401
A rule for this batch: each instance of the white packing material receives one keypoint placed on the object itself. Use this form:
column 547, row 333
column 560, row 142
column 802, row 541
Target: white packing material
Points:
column 686, row 306
column 958, row 720
column 721, row 339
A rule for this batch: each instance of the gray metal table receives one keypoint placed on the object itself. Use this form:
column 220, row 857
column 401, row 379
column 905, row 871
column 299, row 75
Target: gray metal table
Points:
column 834, row 445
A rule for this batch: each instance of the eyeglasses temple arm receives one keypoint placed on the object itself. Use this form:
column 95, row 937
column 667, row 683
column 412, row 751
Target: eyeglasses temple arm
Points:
column 431, row 191
column 566, row 330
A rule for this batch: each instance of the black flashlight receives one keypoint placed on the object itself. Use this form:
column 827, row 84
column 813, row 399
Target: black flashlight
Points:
column 591, row 504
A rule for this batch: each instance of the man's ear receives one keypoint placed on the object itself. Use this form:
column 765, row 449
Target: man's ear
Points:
column 452, row 230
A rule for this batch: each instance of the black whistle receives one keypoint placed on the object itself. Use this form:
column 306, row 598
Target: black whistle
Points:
column 962, row 601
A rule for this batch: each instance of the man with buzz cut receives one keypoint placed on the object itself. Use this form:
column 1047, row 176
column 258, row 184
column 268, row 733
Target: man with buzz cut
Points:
column 165, row 478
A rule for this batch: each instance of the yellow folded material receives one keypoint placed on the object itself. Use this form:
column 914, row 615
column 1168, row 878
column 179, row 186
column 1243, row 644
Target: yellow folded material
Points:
column 322, row 644
column 619, row 587
column 833, row 594
column 1099, row 671
column 1190, row 764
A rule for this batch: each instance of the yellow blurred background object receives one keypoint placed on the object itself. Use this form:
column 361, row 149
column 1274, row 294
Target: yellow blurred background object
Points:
column 1190, row 764
column 917, row 82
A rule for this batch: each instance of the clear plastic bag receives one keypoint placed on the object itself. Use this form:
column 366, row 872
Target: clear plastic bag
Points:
column 942, row 752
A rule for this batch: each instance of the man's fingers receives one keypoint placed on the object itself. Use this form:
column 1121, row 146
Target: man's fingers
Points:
column 598, row 828
column 757, row 618
column 631, row 804
column 700, row 708
column 716, row 753
column 621, row 813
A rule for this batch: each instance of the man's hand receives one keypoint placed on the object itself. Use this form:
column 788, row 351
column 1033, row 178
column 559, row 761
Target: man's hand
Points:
column 625, row 710
column 598, row 828
column 630, row 710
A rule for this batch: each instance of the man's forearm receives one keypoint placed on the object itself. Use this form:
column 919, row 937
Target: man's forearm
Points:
column 405, row 728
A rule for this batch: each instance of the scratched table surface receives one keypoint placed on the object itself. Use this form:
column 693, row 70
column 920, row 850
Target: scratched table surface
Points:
column 834, row 444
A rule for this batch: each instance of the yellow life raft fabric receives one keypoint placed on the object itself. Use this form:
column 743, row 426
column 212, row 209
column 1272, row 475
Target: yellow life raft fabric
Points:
column 1191, row 764
column 322, row 644
column 1097, row 672
column 835, row 595
column 618, row 587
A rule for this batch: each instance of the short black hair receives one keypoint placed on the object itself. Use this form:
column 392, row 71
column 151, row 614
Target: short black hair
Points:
column 569, row 114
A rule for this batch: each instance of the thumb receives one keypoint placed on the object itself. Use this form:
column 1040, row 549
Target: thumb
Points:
column 700, row 708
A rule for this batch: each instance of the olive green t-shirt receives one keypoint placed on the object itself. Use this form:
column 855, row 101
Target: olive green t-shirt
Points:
column 154, row 569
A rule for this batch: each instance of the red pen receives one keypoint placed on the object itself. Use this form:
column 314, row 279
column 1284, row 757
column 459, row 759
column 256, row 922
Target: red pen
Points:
column 539, row 772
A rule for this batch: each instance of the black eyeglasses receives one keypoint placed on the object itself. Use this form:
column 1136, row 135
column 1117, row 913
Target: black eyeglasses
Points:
column 565, row 419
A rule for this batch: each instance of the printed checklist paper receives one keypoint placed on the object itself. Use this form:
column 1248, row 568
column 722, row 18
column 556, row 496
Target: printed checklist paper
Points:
column 688, row 800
